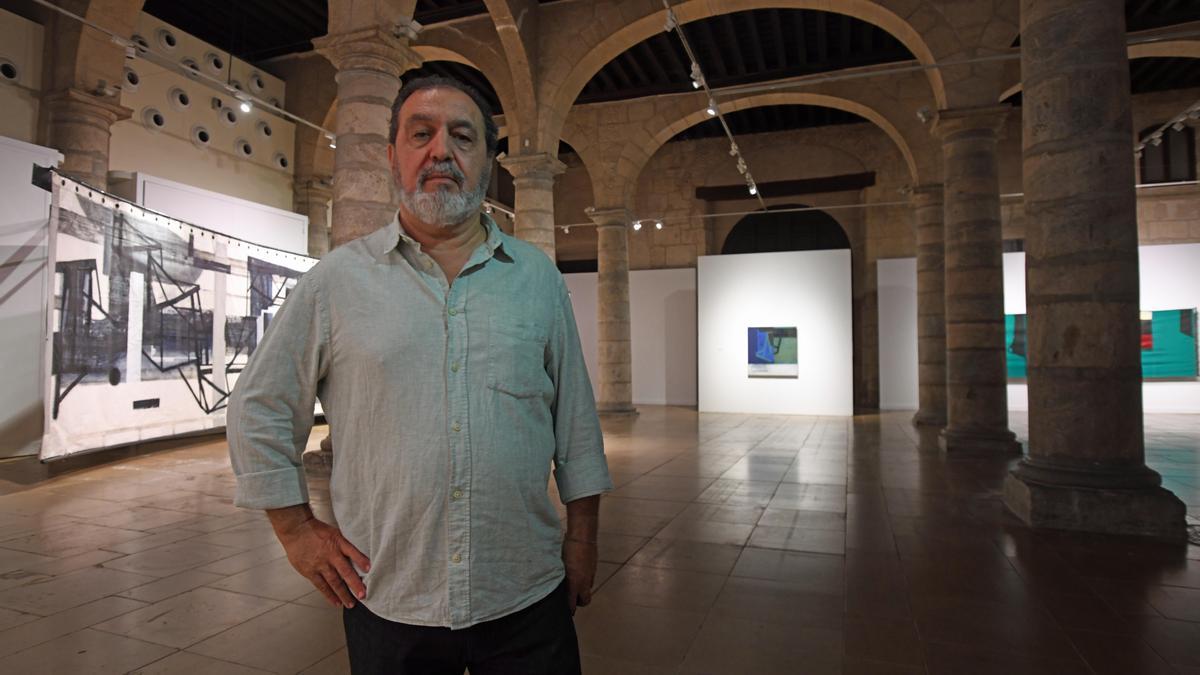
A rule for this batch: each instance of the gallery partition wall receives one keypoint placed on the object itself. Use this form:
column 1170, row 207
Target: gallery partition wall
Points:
column 757, row 315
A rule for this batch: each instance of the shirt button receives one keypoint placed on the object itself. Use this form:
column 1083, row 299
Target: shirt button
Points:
column 453, row 311
column 457, row 427
column 456, row 558
column 454, row 367
column 457, row 494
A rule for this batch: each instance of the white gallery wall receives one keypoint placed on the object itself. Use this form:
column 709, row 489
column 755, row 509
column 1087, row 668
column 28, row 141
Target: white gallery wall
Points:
column 1170, row 279
column 22, row 294
column 662, row 315
column 806, row 289
column 898, row 351
column 256, row 223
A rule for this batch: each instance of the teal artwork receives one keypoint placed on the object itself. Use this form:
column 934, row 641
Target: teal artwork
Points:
column 1168, row 345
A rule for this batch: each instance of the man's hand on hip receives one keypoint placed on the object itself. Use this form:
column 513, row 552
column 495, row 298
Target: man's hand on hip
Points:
column 321, row 554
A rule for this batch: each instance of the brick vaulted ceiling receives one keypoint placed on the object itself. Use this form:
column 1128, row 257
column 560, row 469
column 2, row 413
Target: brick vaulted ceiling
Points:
column 733, row 49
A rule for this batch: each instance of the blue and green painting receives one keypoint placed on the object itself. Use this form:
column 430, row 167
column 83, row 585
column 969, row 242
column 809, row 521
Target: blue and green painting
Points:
column 771, row 352
column 1168, row 344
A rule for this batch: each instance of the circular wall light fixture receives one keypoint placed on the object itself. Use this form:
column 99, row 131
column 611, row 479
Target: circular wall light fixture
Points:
column 167, row 39
column 132, row 79
column 201, row 136
column 264, row 130
column 280, row 161
column 9, row 71
column 214, row 62
column 153, row 119
column 228, row 116
column 256, row 82
column 179, row 99
column 243, row 147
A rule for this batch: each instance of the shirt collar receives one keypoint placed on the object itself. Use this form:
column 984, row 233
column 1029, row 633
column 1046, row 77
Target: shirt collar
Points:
column 385, row 240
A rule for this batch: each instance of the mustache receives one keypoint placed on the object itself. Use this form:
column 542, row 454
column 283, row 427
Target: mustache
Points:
column 445, row 168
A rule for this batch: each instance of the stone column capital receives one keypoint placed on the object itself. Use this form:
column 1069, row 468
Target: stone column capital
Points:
column 376, row 49
column 927, row 194
column 316, row 188
column 76, row 102
column 608, row 216
column 955, row 121
column 537, row 166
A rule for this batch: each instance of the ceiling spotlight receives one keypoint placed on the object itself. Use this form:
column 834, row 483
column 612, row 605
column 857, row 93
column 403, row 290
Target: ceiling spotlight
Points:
column 637, row 225
column 658, row 224
column 712, row 108
column 733, row 149
column 697, row 76
column 1156, row 141
column 1194, row 114
column 924, row 114
column 566, row 229
column 1178, row 125
column 741, row 166
column 245, row 106
column 487, row 208
column 332, row 140
column 753, row 189
column 672, row 22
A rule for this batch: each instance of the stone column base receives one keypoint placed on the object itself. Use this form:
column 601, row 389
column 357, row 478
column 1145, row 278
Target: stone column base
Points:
column 617, row 410
column 925, row 418
column 979, row 442
column 1147, row 512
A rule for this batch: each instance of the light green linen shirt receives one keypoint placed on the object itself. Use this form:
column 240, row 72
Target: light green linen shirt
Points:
column 447, row 404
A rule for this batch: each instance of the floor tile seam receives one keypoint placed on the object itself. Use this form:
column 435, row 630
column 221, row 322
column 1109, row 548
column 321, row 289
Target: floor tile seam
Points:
column 1139, row 638
column 707, row 617
column 204, row 639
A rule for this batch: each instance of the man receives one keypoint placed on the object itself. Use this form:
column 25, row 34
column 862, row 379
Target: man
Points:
column 447, row 361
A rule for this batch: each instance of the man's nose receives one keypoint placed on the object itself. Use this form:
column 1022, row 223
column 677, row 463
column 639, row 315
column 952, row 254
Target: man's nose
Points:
column 440, row 146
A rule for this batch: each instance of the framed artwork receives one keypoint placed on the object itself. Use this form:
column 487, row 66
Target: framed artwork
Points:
column 771, row 352
column 1168, row 345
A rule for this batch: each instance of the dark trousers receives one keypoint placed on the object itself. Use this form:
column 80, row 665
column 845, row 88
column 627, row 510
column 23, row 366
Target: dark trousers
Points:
column 538, row 639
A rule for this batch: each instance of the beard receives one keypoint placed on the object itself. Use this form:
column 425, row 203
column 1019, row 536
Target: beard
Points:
column 442, row 207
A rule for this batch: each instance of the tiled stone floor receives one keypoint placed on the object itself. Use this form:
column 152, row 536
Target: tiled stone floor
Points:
column 732, row 544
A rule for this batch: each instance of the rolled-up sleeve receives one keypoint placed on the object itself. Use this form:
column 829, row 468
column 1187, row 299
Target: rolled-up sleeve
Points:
column 580, row 468
column 271, row 408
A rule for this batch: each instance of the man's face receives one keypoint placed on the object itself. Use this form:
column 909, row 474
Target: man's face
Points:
column 439, row 156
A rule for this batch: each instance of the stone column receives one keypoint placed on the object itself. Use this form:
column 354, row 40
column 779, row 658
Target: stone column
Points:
column 976, row 379
column 311, row 198
column 928, row 212
column 533, row 178
column 79, row 125
column 369, row 63
column 1086, row 468
column 615, row 355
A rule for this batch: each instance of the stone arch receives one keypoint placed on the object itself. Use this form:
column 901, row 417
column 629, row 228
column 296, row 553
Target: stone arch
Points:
column 560, row 89
column 480, row 53
column 519, row 49
column 1188, row 49
column 634, row 157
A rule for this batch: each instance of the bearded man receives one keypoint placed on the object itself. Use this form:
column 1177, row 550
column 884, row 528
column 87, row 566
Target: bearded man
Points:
column 446, row 358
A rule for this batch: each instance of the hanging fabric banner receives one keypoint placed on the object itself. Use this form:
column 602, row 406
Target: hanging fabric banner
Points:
column 151, row 320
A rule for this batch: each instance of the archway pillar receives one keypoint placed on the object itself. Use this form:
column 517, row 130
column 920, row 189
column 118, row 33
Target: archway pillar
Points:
column 928, row 213
column 311, row 195
column 79, row 125
column 615, row 354
column 533, row 179
column 976, row 377
column 1086, row 466
column 369, row 63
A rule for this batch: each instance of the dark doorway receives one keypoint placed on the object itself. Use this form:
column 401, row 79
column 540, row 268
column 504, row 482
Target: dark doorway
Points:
column 773, row 230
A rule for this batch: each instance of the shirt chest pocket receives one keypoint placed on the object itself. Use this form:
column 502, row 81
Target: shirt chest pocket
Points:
column 516, row 357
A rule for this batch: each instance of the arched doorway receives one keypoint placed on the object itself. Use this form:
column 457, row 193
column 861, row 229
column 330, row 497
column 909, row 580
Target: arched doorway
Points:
column 782, row 229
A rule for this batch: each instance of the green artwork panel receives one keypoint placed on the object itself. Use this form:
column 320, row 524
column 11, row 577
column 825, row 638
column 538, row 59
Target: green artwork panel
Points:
column 1169, row 344
column 1168, row 340
column 1015, row 345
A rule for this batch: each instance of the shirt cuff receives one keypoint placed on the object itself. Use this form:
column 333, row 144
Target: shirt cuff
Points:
column 582, row 477
column 273, row 489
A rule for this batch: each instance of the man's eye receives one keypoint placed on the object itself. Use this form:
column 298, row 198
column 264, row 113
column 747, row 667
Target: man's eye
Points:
column 421, row 135
column 463, row 138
